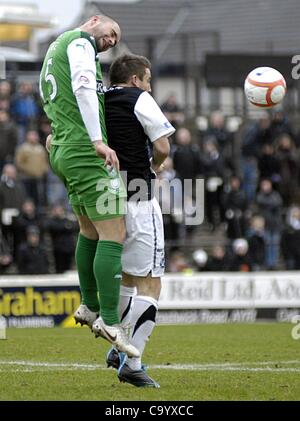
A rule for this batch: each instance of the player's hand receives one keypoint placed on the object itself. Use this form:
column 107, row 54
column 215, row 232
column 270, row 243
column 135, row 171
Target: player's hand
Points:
column 48, row 142
column 108, row 154
column 156, row 168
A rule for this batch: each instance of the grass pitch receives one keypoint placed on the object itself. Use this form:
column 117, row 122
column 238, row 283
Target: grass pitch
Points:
column 191, row 363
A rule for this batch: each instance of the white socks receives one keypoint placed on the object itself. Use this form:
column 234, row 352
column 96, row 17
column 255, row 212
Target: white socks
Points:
column 137, row 312
column 125, row 305
column 142, row 324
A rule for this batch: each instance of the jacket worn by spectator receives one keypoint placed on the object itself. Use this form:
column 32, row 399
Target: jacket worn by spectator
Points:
column 32, row 160
column 8, row 138
column 32, row 257
column 270, row 208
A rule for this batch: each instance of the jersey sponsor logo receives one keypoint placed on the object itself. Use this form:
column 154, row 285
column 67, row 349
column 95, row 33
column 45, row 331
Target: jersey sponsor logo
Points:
column 84, row 79
column 114, row 185
column 80, row 45
column 100, row 87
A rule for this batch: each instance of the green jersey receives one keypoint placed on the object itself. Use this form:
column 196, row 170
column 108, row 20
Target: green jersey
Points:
column 57, row 87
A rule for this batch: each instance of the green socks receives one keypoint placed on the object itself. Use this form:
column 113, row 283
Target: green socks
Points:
column 99, row 270
column 108, row 273
column 84, row 256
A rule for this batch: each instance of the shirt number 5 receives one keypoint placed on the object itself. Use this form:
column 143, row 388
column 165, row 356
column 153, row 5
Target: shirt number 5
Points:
column 51, row 79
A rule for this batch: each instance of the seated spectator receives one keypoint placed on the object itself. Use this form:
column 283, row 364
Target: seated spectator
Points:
column 290, row 239
column 5, row 90
column 32, row 257
column 288, row 158
column 269, row 165
column 5, row 254
column 218, row 132
column 5, row 96
column 213, row 170
column 170, row 202
column 186, row 161
column 240, row 260
column 256, row 241
column 178, row 262
column 173, row 111
column 28, row 217
column 44, row 129
column 186, row 156
column 235, row 205
column 280, row 124
column 218, row 261
column 56, row 191
column 12, row 196
column 61, row 229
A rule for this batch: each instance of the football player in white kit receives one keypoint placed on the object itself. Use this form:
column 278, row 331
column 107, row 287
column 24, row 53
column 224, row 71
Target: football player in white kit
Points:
column 133, row 119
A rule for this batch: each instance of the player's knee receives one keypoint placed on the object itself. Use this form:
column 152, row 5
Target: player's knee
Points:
column 157, row 288
column 117, row 234
column 87, row 229
column 89, row 233
column 113, row 230
column 122, row 233
column 149, row 286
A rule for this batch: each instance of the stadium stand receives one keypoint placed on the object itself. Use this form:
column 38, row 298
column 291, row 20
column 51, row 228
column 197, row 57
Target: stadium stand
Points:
column 233, row 148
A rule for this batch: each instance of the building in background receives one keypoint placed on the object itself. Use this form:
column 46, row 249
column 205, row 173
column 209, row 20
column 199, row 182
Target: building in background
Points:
column 202, row 50
column 182, row 38
column 18, row 42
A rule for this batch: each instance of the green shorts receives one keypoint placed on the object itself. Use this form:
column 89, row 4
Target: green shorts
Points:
column 92, row 192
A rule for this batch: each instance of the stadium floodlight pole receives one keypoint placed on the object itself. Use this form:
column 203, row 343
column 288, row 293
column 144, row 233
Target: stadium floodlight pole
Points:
column 2, row 67
column 172, row 29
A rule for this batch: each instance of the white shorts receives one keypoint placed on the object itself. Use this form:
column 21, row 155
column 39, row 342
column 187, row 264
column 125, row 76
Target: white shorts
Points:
column 143, row 252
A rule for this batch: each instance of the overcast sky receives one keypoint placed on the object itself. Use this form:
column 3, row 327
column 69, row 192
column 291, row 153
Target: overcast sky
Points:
column 66, row 11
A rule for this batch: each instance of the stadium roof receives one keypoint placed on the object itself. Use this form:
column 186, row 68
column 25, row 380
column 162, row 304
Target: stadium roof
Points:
column 17, row 54
column 18, row 21
column 243, row 26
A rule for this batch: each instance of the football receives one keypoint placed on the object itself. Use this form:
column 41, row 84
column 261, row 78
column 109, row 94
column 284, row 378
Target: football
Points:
column 265, row 87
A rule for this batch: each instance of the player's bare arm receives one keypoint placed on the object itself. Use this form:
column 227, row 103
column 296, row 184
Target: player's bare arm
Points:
column 161, row 149
column 105, row 152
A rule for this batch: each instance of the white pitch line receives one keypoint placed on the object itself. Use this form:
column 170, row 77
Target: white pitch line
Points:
column 240, row 369
column 265, row 366
column 232, row 369
column 56, row 365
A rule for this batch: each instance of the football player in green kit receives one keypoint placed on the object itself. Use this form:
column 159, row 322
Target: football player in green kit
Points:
column 71, row 89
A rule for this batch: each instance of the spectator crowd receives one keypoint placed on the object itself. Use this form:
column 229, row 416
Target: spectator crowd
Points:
column 252, row 192
column 37, row 227
column 251, row 187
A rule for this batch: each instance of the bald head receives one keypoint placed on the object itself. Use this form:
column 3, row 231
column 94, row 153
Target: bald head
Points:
column 105, row 30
